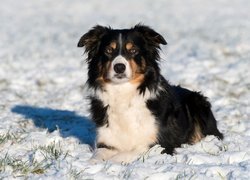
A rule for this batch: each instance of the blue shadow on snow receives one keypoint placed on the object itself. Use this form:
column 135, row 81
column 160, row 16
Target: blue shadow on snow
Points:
column 67, row 122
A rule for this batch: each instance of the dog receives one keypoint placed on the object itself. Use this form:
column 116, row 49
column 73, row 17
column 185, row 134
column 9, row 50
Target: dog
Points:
column 133, row 106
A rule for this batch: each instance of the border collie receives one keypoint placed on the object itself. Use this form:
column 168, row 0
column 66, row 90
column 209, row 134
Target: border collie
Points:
column 132, row 105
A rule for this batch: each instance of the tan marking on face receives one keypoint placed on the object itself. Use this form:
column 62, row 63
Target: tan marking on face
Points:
column 129, row 46
column 137, row 72
column 113, row 45
column 197, row 135
column 102, row 79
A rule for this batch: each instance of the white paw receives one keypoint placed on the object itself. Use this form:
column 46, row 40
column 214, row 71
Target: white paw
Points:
column 102, row 154
column 124, row 158
column 94, row 161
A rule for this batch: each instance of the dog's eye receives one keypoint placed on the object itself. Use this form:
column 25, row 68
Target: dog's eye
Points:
column 109, row 50
column 133, row 51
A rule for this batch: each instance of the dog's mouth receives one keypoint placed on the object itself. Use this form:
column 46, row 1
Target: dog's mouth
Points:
column 120, row 78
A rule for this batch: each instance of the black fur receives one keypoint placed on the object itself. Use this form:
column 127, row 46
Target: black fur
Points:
column 177, row 110
column 98, row 111
column 102, row 145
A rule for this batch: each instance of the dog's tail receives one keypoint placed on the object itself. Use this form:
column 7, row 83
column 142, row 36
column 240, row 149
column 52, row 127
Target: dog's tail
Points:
column 200, row 113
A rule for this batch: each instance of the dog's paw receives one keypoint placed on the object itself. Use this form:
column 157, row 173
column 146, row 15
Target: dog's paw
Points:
column 124, row 158
column 94, row 161
column 102, row 154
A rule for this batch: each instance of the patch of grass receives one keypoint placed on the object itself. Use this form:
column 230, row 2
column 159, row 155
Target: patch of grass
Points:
column 22, row 168
column 75, row 174
column 19, row 167
column 53, row 151
column 9, row 136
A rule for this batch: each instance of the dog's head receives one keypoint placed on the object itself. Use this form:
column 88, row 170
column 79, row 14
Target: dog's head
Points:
column 119, row 56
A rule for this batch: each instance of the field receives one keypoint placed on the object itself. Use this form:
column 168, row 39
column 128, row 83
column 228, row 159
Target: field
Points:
column 45, row 129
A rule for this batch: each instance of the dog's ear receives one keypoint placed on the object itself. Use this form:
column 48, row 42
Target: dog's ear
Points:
column 91, row 40
column 150, row 35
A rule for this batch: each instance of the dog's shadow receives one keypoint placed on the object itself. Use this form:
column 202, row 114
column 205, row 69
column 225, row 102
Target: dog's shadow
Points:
column 67, row 122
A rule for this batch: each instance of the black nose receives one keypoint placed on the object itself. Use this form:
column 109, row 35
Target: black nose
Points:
column 119, row 68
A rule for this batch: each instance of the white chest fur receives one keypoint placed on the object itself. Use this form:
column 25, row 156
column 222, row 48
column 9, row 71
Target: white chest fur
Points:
column 130, row 123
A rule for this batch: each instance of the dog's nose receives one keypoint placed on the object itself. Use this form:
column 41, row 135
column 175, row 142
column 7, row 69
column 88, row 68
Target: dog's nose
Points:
column 119, row 68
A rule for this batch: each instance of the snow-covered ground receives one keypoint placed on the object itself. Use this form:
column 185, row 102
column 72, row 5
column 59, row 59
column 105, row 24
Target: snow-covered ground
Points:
column 45, row 132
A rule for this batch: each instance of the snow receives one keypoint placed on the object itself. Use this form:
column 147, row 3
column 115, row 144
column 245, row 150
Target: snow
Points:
column 44, row 122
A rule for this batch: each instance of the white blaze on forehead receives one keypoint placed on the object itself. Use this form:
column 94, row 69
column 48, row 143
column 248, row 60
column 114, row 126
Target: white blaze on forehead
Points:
column 120, row 43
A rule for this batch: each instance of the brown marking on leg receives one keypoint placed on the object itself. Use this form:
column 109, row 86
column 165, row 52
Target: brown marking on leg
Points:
column 197, row 134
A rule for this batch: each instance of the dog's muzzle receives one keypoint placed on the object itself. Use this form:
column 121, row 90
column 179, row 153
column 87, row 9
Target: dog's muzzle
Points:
column 120, row 70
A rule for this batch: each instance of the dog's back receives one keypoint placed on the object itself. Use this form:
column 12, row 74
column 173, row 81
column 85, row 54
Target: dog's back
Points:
column 198, row 110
